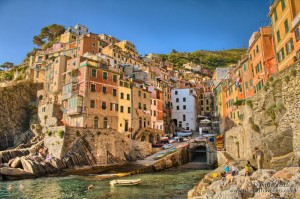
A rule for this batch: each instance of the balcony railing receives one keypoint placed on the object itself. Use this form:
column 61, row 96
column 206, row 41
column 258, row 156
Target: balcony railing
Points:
column 74, row 111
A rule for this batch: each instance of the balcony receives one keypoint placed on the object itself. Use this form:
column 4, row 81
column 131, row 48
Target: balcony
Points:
column 74, row 111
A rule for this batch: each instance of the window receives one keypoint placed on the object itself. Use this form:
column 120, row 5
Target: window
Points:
column 184, row 107
column 103, row 105
column 96, row 121
column 246, row 85
column 145, row 107
column 116, row 107
column 145, row 95
column 104, row 75
column 283, row 4
column 104, row 89
column 154, row 102
column 111, row 106
column 257, row 49
column 275, row 15
column 289, row 47
column 93, row 44
column 297, row 34
column 183, row 118
column 154, row 113
column 177, row 99
column 129, row 110
column 245, row 67
column 281, row 55
column 176, row 92
column 105, row 125
column 92, row 104
column 286, row 26
column 115, row 78
column 140, row 106
column 278, row 36
column 122, row 95
column 140, row 93
column 177, row 107
column 114, row 92
column 184, row 99
column 93, row 87
column 121, row 109
column 128, row 96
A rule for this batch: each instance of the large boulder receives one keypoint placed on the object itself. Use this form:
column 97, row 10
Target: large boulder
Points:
column 14, row 173
column 16, row 163
column 232, row 193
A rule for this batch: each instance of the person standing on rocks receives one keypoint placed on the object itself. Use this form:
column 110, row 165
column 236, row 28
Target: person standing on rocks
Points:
column 258, row 155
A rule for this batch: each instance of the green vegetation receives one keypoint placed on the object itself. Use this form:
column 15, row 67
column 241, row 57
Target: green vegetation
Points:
column 78, row 133
column 98, row 133
column 249, row 103
column 239, row 102
column 294, row 73
column 271, row 79
column 287, row 78
column 255, row 128
column 208, row 59
column 275, row 82
column 267, row 86
column 49, row 133
column 60, row 133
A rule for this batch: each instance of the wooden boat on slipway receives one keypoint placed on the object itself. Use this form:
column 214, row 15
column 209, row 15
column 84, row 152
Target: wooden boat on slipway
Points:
column 125, row 182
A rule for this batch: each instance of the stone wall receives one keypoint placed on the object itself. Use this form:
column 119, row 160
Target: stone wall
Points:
column 272, row 123
column 107, row 146
column 15, row 112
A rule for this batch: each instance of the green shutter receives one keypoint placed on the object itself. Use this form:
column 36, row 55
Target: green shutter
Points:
column 283, row 4
column 286, row 26
column 275, row 15
column 278, row 36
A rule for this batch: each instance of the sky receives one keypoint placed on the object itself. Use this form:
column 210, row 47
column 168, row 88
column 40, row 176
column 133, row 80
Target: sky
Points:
column 154, row 26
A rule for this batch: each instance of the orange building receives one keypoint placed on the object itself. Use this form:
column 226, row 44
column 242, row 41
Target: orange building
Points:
column 87, row 43
column 262, row 57
column 285, row 24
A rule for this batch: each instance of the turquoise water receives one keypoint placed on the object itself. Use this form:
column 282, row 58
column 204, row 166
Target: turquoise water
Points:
column 165, row 184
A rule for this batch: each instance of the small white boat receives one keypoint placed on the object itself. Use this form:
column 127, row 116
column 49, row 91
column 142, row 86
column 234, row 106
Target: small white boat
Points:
column 184, row 133
column 167, row 146
column 125, row 182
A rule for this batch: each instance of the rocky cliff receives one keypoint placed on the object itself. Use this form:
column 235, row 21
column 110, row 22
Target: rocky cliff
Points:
column 271, row 121
column 16, row 108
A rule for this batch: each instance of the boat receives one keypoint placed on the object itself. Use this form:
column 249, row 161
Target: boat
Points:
column 184, row 133
column 159, row 155
column 167, row 146
column 125, row 182
column 171, row 150
column 157, row 145
column 182, row 145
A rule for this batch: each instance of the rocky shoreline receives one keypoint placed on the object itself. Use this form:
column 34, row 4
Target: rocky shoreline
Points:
column 262, row 184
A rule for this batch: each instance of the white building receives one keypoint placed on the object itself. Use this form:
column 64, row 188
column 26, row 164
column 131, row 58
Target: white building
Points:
column 78, row 29
column 184, row 112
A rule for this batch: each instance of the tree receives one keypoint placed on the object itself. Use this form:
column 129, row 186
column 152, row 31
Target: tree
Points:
column 56, row 30
column 6, row 65
column 173, row 51
column 37, row 40
column 48, row 34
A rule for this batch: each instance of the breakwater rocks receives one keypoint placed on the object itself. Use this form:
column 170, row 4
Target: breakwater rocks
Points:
column 262, row 184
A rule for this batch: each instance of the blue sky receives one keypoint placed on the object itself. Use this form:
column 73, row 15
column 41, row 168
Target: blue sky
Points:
column 153, row 25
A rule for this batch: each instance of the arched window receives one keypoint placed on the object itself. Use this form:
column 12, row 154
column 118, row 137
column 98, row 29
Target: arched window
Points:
column 96, row 122
column 105, row 123
column 143, row 138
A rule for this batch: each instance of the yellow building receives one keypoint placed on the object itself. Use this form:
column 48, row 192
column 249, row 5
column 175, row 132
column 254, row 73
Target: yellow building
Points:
column 282, row 13
column 67, row 37
column 128, row 47
column 124, row 114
